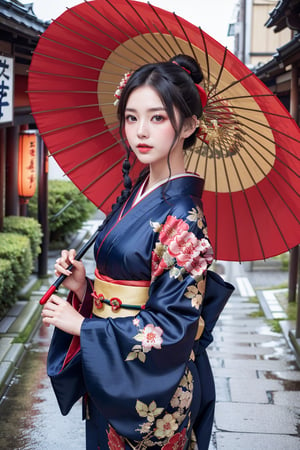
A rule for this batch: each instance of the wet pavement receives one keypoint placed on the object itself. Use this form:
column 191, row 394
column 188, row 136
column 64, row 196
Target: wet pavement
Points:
column 256, row 376
column 257, row 383
column 29, row 414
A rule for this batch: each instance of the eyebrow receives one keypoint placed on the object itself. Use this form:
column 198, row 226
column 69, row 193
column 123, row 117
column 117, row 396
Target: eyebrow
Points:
column 161, row 108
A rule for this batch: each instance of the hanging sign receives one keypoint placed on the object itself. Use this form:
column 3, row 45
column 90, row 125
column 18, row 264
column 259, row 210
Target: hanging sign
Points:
column 6, row 89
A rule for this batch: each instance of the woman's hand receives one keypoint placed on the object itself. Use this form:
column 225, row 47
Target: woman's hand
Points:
column 75, row 280
column 61, row 314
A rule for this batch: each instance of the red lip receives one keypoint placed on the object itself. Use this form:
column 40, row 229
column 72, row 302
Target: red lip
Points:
column 144, row 148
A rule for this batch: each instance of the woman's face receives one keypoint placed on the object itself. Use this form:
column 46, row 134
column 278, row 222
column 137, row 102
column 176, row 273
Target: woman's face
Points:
column 148, row 128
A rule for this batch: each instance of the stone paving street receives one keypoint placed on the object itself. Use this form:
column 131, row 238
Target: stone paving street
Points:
column 257, row 381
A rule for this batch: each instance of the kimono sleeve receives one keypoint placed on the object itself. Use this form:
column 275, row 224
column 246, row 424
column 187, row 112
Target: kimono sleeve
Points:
column 134, row 361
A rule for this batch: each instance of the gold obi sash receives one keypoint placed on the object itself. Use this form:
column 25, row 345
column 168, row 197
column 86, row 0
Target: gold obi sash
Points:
column 122, row 300
column 118, row 300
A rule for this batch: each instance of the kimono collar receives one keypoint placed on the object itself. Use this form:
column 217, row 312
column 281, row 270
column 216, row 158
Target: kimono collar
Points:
column 186, row 184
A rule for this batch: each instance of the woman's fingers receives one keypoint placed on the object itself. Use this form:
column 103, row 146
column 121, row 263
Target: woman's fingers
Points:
column 66, row 259
column 61, row 314
column 51, row 306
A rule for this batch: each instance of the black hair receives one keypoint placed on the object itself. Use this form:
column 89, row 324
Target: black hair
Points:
column 174, row 81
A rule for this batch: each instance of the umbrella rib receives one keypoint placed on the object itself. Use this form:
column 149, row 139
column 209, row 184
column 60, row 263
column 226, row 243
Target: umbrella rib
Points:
column 169, row 56
column 245, row 196
column 217, row 199
column 186, row 36
column 66, row 108
column 223, row 119
column 162, row 34
column 91, row 40
column 206, row 57
column 173, row 52
column 66, row 61
column 266, row 174
column 84, row 53
column 195, row 166
column 266, row 126
column 82, row 163
column 266, row 161
column 220, row 71
column 63, row 91
column 68, row 147
column 119, row 29
column 102, row 174
column 211, row 111
column 232, row 205
column 272, row 141
column 259, row 133
column 150, row 31
column 135, row 29
column 266, row 149
column 261, row 194
column 122, row 31
column 248, row 205
column 229, row 86
column 111, row 192
column 212, row 101
column 168, row 31
column 264, row 200
column 83, row 122
column 61, row 75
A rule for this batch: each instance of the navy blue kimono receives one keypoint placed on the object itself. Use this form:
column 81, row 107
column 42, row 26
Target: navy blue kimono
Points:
column 146, row 381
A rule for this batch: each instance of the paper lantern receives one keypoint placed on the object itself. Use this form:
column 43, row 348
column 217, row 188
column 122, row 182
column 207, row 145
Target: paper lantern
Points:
column 27, row 164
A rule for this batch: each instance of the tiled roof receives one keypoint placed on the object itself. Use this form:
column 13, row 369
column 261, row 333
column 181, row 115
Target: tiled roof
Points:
column 285, row 14
column 17, row 14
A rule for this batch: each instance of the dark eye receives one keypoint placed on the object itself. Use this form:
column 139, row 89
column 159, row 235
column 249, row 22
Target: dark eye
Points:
column 158, row 118
column 130, row 118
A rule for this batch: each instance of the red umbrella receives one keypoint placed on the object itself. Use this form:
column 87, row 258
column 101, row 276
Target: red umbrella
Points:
column 248, row 150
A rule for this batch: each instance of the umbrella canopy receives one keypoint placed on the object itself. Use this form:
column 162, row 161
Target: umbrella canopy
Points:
column 248, row 150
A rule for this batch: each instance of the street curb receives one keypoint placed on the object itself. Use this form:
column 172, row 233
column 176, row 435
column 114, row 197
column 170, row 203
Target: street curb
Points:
column 295, row 345
column 21, row 329
column 24, row 317
column 273, row 311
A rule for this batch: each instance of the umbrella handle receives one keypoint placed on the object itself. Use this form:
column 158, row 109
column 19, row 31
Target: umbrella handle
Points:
column 62, row 277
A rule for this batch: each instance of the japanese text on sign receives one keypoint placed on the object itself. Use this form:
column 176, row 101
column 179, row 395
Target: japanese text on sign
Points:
column 6, row 89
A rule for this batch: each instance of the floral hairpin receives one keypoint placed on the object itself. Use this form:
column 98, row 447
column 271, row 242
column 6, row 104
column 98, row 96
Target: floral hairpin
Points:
column 121, row 86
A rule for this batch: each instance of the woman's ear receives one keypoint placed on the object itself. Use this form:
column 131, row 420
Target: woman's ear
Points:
column 189, row 126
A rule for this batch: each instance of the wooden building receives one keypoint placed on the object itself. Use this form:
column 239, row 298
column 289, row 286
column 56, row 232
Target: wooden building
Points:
column 19, row 34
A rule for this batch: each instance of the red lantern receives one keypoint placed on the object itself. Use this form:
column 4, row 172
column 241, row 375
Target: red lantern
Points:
column 27, row 164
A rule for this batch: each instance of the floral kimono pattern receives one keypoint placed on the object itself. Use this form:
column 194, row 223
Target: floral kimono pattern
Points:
column 148, row 385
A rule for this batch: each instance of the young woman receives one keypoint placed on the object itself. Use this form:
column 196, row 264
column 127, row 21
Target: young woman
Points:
column 141, row 364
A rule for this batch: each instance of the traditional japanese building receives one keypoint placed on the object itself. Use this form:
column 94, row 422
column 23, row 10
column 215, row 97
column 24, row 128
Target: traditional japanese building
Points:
column 282, row 75
column 19, row 34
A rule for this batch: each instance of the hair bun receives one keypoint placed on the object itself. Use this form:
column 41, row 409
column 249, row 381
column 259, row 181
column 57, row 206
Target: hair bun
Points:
column 190, row 65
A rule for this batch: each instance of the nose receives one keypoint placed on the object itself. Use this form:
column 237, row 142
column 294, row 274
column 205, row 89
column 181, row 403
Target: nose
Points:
column 143, row 130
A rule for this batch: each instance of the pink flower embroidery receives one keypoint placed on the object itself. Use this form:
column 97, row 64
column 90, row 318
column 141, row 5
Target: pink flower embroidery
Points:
column 115, row 442
column 136, row 322
column 172, row 228
column 152, row 337
column 177, row 442
column 191, row 253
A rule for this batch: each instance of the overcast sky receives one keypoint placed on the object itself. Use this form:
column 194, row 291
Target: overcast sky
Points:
column 213, row 16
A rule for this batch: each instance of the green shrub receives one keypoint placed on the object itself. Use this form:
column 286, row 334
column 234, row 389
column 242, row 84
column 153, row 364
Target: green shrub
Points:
column 26, row 226
column 16, row 249
column 76, row 209
column 7, row 286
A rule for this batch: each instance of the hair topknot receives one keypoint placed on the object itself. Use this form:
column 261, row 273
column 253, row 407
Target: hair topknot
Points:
column 191, row 65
